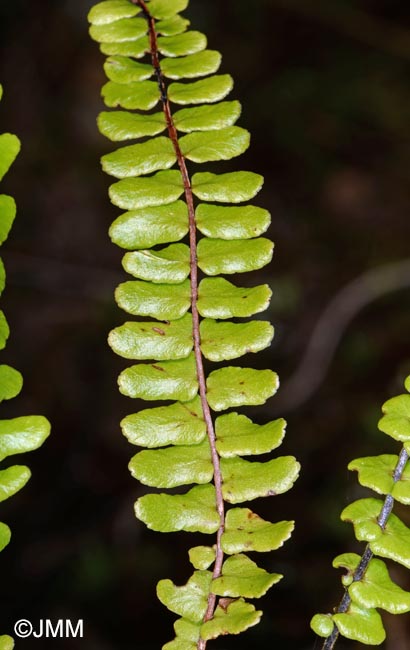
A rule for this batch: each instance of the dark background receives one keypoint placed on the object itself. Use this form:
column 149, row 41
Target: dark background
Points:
column 325, row 93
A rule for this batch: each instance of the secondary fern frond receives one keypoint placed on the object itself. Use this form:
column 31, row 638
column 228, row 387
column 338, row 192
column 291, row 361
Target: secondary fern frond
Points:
column 24, row 433
column 368, row 586
column 153, row 59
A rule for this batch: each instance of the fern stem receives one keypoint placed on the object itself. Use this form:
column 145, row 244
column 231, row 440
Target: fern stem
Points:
column 382, row 519
column 173, row 135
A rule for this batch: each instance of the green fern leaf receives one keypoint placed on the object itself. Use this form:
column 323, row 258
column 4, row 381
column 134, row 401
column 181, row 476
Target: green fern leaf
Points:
column 242, row 577
column 235, row 187
column 162, row 341
column 173, row 466
column 122, row 125
column 189, row 601
column 209, row 117
column 181, row 44
column 12, row 480
column 137, row 159
column 377, row 473
column 218, row 298
column 131, row 193
column 168, row 380
column 177, row 424
column 242, row 222
column 192, row 66
column 9, row 149
column 361, row 624
column 232, row 386
column 150, row 226
column 155, row 300
column 4, row 330
column 367, row 583
column 6, row 642
column 110, row 11
column 193, row 512
column 167, row 266
column 377, row 589
column 8, row 213
column 235, row 618
column 246, row 531
column 25, row 433
column 224, row 341
column 190, row 314
column 237, row 435
column 11, row 383
column 244, row 480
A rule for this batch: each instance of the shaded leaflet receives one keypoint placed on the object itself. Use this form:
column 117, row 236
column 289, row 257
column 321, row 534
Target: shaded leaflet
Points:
column 367, row 583
column 21, row 434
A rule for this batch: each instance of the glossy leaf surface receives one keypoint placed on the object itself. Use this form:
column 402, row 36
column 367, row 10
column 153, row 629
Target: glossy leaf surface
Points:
column 137, row 159
column 176, row 111
column 9, row 149
column 194, row 65
column 237, row 435
column 8, row 213
column 218, row 298
column 11, row 382
column 217, row 256
column 123, row 125
column 231, row 386
column 156, row 300
column 178, row 424
column 237, row 617
column 173, row 466
column 361, row 624
column 244, row 480
column 193, row 512
column 206, row 91
column 209, row 117
column 111, row 10
column 233, row 187
column 238, row 222
column 12, row 480
column 162, row 341
column 392, row 543
column 150, row 226
column 189, row 601
column 246, row 531
column 182, row 44
column 22, row 434
column 168, row 266
column 223, row 341
column 243, row 578
column 165, row 380
column 132, row 193
column 376, row 472
column 205, row 146
column 367, row 581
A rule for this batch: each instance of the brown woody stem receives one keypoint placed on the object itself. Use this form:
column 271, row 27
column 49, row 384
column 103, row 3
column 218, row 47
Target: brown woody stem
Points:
column 173, row 135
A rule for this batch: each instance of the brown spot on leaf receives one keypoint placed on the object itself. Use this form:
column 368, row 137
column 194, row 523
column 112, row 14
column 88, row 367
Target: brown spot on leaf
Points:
column 158, row 367
column 158, row 331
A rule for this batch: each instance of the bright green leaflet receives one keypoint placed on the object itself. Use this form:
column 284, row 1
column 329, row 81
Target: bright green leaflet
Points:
column 175, row 99
column 25, row 433
column 368, row 585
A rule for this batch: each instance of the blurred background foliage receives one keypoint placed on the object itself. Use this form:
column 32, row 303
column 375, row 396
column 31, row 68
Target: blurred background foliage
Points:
column 325, row 93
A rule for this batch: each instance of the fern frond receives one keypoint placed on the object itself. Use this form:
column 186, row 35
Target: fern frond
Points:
column 367, row 583
column 153, row 59
column 21, row 434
